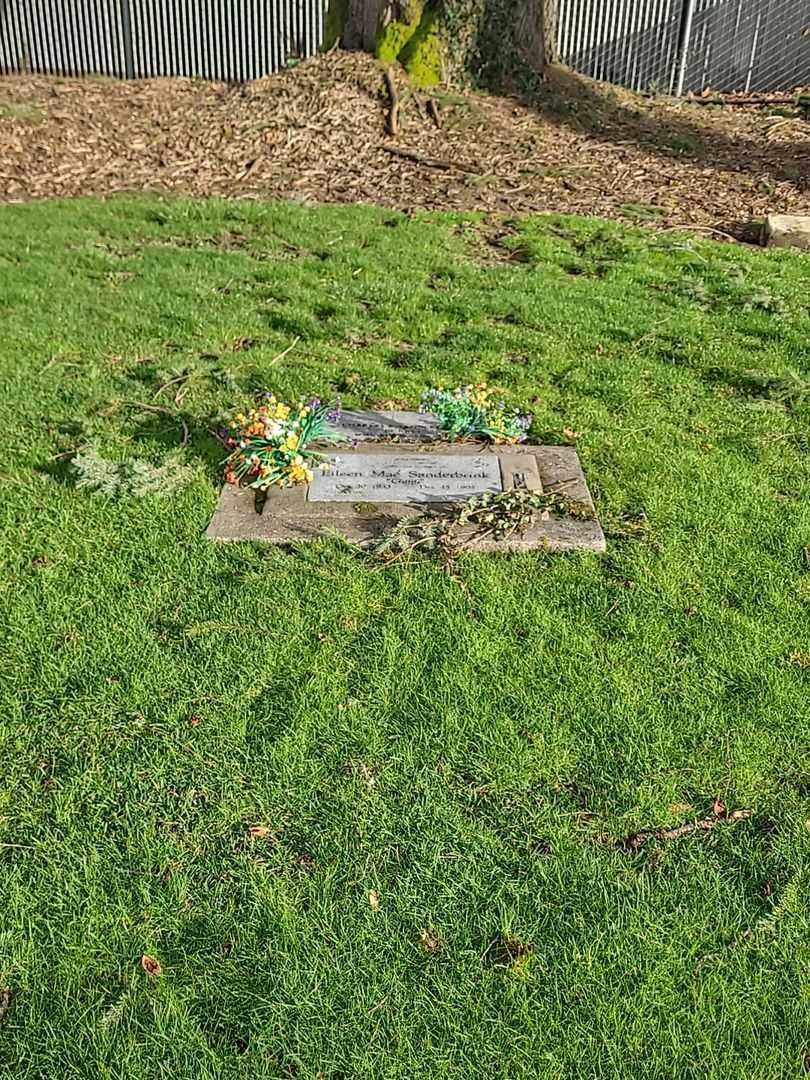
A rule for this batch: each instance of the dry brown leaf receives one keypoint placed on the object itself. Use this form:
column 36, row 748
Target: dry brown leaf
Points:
column 150, row 965
column 243, row 343
column 373, row 899
column 260, row 832
column 429, row 941
column 719, row 808
column 367, row 776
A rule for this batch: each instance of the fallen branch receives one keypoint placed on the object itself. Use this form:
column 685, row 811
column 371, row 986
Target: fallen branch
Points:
column 433, row 109
column 431, row 163
column 636, row 840
column 741, row 101
column 392, row 123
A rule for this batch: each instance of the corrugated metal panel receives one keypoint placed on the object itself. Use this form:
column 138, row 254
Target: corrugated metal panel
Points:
column 735, row 44
column 229, row 40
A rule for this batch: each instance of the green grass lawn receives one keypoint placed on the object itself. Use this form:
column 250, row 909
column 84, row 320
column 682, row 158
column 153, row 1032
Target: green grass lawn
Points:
column 471, row 749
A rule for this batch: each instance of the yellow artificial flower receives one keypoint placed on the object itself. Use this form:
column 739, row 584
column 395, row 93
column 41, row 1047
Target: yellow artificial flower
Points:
column 300, row 474
column 290, row 443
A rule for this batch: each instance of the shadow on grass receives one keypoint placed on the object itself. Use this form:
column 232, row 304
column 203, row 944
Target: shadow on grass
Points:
column 168, row 434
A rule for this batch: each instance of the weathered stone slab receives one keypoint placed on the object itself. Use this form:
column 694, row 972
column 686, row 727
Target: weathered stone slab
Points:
column 405, row 478
column 290, row 514
column 362, row 426
column 788, row 230
column 519, row 471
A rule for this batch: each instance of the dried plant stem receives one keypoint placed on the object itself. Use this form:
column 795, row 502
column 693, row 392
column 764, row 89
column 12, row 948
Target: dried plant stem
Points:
column 165, row 412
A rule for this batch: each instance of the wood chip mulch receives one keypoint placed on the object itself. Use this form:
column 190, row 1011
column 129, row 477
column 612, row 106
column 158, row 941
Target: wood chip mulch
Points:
column 318, row 133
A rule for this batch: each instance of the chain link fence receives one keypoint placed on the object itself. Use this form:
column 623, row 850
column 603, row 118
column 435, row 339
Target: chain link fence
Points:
column 672, row 46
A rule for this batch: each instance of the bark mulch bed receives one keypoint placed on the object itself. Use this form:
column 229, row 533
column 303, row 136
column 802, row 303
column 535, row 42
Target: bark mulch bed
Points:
column 319, row 132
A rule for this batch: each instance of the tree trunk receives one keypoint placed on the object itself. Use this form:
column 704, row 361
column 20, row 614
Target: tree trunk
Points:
column 363, row 20
column 487, row 41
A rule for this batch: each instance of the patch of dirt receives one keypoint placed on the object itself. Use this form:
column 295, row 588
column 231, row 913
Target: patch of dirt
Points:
column 318, row 133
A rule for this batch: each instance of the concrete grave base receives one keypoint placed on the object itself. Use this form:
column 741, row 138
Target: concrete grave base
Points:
column 287, row 514
column 788, row 230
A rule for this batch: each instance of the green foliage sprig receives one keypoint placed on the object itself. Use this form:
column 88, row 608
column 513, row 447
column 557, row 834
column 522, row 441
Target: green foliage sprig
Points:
column 116, row 479
column 470, row 412
column 500, row 516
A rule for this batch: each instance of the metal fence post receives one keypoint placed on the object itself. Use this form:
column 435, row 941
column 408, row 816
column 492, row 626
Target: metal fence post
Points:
column 687, row 18
column 126, row 34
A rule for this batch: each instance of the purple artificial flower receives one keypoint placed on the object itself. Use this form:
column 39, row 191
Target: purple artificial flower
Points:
column 334, row 414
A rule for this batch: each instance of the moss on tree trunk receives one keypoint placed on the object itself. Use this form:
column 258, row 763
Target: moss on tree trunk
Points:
column 407, row 32
column 491, row 42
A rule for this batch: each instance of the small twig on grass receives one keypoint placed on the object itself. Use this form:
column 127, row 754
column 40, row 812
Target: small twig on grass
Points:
column 433, row 109
column 289, row 349
column 171, row 382
column 180, row 378
column 166, row 412
column 636, row 840
column 69, row 453
column 392, row 122
column 57, row 360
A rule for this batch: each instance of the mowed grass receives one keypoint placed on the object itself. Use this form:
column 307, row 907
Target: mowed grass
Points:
column 223, row 756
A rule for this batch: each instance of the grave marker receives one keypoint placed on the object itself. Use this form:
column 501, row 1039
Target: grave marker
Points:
column 405, row 478
column 373, row 487
column 370, row 424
